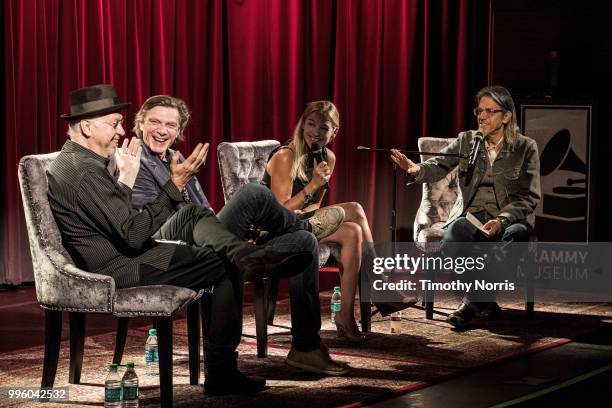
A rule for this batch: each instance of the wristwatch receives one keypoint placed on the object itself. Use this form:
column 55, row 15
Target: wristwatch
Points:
column 503, row 220
column 307, row 197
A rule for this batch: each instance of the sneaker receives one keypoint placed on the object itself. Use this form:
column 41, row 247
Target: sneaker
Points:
column 233, row 383
column 317, row 361
column 326, row 221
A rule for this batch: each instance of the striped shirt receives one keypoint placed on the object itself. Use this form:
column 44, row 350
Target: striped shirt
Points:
column 99, row 227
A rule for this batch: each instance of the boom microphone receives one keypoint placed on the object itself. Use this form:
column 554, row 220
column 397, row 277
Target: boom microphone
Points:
column 478, row 138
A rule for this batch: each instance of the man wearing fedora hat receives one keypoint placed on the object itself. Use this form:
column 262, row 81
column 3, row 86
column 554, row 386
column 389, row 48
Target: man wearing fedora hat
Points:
column 104, row 234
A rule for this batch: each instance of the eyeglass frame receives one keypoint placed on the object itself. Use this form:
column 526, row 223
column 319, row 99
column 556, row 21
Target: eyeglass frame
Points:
column 116, row 126
column 488, row 111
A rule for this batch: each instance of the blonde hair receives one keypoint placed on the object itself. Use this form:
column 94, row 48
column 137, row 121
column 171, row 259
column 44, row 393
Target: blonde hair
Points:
column 168, row 102
column 298, row 145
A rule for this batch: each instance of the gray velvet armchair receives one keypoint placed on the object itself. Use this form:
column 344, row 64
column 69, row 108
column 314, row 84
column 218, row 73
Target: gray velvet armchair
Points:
column 62, row 286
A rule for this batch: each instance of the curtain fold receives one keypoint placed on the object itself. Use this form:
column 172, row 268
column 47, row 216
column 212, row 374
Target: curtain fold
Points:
column 396, row 69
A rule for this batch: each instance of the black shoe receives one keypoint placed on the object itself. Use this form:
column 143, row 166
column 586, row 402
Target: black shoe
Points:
column 491, row 310
column 387, row 308
column 462, row 316
column 233, row 383
column 266, row 262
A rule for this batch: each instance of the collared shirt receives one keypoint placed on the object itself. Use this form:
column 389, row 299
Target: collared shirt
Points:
column 154, row 174
column 99, row 228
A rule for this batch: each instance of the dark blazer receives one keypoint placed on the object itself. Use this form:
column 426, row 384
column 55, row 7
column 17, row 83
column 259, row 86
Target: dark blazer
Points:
column 99, row 227
column 516, row 176
column 153, row 174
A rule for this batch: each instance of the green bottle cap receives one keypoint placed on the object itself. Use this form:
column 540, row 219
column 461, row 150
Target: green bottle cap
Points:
column 129, row 365
column 336, row 288
column 153, row 331
column 112, row 367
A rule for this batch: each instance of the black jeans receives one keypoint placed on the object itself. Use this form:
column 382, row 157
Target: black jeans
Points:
column 198, row 267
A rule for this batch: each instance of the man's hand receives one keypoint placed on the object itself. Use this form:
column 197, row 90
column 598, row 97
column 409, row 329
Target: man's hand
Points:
column 181, row 173
column 492, row 227
column 405, row 163
column 127, row 158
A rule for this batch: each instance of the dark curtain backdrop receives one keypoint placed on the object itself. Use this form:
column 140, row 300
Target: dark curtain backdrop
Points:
column 396, row 69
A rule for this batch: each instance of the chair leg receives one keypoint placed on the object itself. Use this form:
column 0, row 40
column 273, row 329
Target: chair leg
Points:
column 272, row 300
column 77, row 343
column 53, row 338
column 529, row 294
column 428, row 297
column 122, row 329
column 193, row 338
column 262, row 290
column 529, row 311
column 365, row 308
column 164, row 338
column 203, row 327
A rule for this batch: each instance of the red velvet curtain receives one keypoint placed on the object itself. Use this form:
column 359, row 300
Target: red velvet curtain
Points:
column 396, row 69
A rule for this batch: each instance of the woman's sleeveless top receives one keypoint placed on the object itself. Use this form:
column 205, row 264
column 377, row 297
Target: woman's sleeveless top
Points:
column 298, row 185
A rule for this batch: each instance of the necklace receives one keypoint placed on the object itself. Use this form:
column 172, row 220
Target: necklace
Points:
column 494, row 146
column 493, row 150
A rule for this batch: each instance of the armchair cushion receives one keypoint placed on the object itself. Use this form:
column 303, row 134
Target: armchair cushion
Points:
column 438, row 198
column 154, row 300
column 243, row 162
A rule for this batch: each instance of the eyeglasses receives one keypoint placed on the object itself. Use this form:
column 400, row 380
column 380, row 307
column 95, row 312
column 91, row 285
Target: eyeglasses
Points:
column 487, row 111
column 115, row 125
column 157, row 124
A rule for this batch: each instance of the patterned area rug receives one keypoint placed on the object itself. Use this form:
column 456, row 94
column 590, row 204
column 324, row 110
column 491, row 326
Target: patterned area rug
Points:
column 425, row 352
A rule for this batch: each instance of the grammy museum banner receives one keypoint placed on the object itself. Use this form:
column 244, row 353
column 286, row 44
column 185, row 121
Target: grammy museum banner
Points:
column 563, row 135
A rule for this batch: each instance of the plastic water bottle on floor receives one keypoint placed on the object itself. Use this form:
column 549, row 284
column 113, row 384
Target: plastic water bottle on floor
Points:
column 151, row 356
column 112, row 388
column 396, row 322
column 129, row 387
column 335, row 304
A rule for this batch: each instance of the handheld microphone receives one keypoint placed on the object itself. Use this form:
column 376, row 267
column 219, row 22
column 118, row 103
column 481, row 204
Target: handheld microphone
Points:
column 317, row 152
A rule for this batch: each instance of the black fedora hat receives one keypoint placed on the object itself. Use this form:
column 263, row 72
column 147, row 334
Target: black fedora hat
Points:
column 94, row 100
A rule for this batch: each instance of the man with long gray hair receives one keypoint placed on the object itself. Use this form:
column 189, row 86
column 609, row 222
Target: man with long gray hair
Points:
column 501, row 187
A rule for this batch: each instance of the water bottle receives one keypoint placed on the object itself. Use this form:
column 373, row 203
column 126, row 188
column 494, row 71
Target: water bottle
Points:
column 396, row 322
column 112, row 388
column 151, row 356
column 335, row 304
column 129, row 387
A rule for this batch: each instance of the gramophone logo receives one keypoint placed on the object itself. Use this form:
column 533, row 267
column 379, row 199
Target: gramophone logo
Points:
column 563, row 137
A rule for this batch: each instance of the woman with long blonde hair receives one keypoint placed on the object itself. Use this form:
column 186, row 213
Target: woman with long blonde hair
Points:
column 299, row 182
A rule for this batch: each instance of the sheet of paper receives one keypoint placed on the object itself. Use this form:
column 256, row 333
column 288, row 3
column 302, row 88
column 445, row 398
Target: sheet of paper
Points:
column 475, row 222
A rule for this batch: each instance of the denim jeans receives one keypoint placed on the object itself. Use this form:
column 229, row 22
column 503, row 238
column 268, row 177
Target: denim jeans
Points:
column 255, row 204
column 462, row 230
